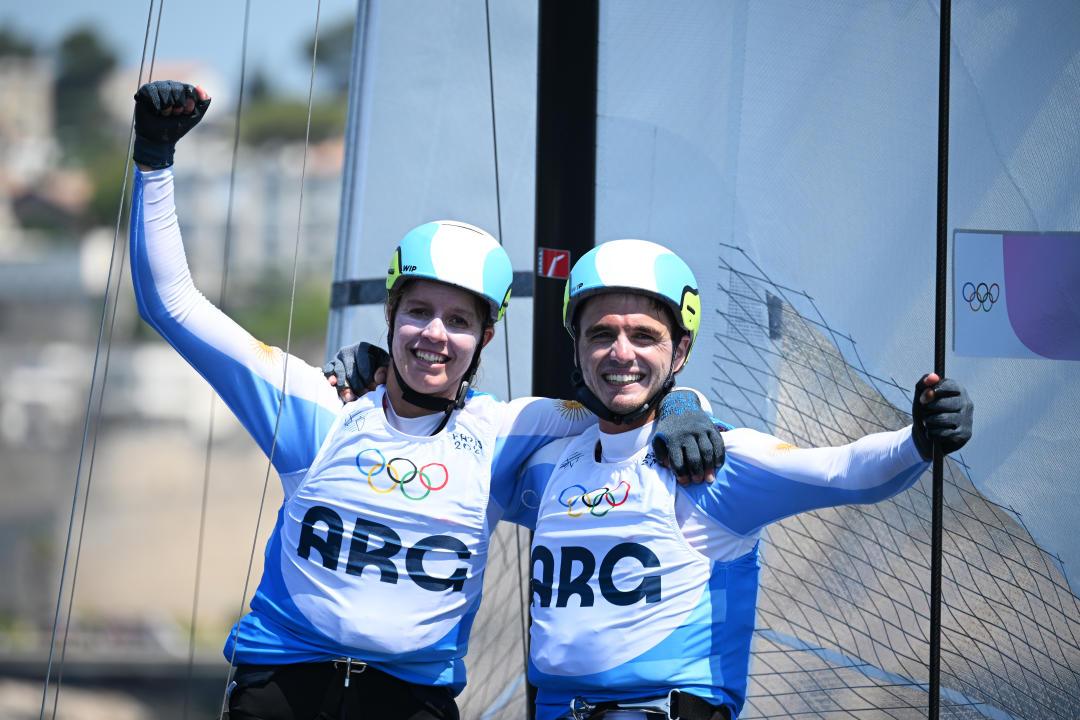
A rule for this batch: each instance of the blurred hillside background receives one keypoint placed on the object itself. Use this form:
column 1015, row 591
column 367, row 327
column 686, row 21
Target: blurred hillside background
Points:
column 67, row 75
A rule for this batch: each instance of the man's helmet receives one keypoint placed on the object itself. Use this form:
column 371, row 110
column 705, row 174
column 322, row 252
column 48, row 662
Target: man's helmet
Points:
column 458, row 254
column 635, row 266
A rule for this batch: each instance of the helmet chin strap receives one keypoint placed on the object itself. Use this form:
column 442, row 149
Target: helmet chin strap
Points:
column 419, row 399
column 435, row 403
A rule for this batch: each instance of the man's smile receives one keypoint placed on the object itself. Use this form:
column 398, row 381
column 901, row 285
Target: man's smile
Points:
column 622, row 377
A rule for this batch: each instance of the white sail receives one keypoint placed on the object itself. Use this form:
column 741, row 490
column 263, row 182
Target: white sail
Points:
column 788, row 151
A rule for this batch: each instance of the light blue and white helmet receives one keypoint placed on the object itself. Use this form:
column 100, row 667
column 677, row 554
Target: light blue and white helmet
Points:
column 635, row 266
column 457, row 254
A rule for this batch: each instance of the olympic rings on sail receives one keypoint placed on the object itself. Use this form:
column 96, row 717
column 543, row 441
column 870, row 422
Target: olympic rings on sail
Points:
column 981, row 296
column 401, row 471
column 593, row 499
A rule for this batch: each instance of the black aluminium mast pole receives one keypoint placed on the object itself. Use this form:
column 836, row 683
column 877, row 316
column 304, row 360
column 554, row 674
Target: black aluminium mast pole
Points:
column 565, row 177
column 945, row 43
column 565, row 219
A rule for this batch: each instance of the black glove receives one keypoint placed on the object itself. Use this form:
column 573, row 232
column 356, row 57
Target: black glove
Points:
column 945, row 420
column 686, row 436
column 355, row 365
column 156, row 134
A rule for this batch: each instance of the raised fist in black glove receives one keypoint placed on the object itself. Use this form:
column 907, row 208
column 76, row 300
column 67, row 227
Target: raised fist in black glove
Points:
column 941, row 413
column 355, row 369
column 164, row 111
column 686, row 439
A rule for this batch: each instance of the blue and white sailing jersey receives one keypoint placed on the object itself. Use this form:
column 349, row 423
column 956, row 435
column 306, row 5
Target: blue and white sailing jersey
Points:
column 378, row 551
column 640, row 586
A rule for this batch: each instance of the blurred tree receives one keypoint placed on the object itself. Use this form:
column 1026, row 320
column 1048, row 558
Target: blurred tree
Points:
column 258, row 86
column 335, row 53
column 82, row 63
column 12, row 44
column 275, row 119
column 88, row 141
column 262, row 308
column 106, row 167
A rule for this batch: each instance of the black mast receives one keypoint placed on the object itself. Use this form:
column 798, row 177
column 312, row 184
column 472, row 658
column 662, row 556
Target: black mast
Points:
column 565, row 176
column 565, row 184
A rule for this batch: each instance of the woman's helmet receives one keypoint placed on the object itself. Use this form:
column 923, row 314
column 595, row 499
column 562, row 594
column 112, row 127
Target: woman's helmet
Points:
column 458, row 254
column 635, row 266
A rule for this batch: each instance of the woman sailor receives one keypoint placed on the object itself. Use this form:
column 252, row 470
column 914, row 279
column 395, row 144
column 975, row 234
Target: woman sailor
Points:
column 373, row 571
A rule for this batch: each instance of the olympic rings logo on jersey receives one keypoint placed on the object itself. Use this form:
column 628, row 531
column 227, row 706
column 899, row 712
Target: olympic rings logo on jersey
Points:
column 402, row 471
column 595, row 501
column 981, row 296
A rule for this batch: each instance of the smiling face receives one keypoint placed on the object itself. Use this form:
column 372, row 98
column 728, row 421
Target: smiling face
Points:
column 436, row 331
column 624, row 350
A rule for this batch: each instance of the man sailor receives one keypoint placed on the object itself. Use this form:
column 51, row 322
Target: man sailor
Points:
column 643, row 590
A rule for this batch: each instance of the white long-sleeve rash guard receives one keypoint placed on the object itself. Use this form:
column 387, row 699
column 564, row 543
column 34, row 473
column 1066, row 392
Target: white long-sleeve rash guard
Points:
column 641, row 586
column 379, row 548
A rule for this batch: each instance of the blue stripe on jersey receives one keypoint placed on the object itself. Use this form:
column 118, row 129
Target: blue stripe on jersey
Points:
column 524, row 504
column 732, row 635
column 252, row 399
column 523, row 507
column 718, row 591
column 745, row 498
column 507, row 486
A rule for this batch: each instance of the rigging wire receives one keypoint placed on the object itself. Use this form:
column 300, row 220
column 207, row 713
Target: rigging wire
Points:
column 222, row 296
column 93, row 416
column 285, row 358
column 498, row 195
column 506, row 323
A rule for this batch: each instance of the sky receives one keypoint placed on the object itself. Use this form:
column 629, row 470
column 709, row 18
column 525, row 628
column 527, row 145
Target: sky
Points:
column 207, row 31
